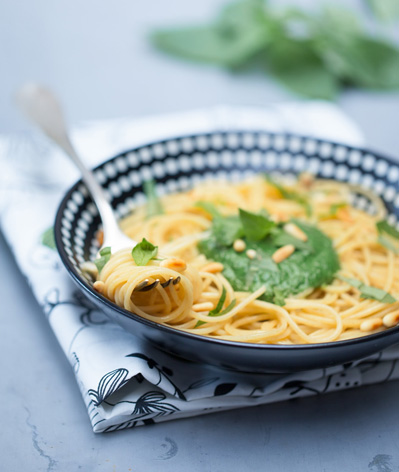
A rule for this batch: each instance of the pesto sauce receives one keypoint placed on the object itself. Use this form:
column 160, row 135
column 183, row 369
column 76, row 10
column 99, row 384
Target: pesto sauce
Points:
column 310, row 266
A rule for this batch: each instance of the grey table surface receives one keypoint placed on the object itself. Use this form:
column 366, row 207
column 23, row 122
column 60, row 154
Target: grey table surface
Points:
column 97, row 58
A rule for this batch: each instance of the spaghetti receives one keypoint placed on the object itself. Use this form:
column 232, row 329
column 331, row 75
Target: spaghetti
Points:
column 357, row 298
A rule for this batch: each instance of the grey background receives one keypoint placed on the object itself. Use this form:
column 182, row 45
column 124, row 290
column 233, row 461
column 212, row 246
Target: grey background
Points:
column 96, row 56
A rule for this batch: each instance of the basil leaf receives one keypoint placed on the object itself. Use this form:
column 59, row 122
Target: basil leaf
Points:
column 384, row 227
column 223, row 312
column 228, row 308
column 334, row 19
column 220, row 303
column 227, row 230
column 386, row 233
column 290, row 195
column 297, row 65
column 377, row 294
column 217, row 311
column 255, row 226
column 366, row 291
column 143, row 252
column 105, row 254
column 154, row 205
column 352, row 54
column 209, row 207
column 388, row 243
column 48, row 238
column 362, row 61
column 105, row 251
column 384, row 10
column 199, row 323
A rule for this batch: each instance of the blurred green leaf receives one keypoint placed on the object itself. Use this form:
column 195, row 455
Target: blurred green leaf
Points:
column 313, row 54
column 48, row 238
column 384, row 10
column 338, row 20
column 297, row 65
column 237, row 35
column 362, row 61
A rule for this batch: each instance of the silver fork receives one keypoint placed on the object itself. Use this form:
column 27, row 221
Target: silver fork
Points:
column 43, row 109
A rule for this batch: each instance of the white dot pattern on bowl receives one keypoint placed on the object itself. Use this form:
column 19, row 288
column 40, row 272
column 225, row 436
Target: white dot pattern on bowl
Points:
column 325, row 150
column 232, row 141
column 355, row 158
column 255, row 159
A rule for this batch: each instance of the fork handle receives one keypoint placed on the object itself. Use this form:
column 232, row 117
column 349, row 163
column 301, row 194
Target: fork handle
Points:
column 43, row 108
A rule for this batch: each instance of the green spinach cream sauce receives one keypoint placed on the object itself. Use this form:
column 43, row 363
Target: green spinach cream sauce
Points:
column 313, row 263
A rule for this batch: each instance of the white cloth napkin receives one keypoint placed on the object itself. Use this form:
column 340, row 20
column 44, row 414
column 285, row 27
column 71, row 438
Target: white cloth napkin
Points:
column 124, row 381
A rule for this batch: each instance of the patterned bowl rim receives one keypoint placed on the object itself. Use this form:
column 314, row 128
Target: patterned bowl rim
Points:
column 86, row 287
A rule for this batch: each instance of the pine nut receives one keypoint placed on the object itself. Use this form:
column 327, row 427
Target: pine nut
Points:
column 251, row 253
column 279, row 217
column 99, row 286
column 213, row 267
column 371, row 325
column 344, row 215
column 174, row 263
column 205, row 306
column 239, row 245
column 295, row 231
column 282, row 253
column 392, row 319
column 100, row 237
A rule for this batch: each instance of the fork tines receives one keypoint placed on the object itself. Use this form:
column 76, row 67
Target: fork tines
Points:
column 145, row 285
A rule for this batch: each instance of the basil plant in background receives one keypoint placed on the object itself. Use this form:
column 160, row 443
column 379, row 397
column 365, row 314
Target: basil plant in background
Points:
column 314, row 54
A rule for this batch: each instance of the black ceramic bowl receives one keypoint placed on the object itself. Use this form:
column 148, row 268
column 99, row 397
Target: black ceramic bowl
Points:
column 177, row 164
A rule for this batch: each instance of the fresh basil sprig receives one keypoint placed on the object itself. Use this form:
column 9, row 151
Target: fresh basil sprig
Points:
column 143, row 252
column 366, row 291
column 105, row 255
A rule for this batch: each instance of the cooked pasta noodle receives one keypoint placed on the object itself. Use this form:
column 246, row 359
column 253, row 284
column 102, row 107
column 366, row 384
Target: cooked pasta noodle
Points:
column 331, row 312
